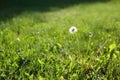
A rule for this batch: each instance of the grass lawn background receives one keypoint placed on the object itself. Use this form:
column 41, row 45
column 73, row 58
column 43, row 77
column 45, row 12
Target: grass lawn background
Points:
column 35, row 42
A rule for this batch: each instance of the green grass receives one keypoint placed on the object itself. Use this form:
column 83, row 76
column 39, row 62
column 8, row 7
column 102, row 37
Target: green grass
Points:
column 37, row 45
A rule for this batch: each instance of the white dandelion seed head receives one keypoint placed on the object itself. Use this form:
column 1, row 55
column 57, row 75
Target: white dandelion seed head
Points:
column 73, row 29
column 90, row 34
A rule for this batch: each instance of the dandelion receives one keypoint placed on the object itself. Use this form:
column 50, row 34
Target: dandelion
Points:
column 90, row 34
column 73, row 29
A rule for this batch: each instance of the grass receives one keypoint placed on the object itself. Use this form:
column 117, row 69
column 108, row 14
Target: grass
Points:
column 37, row 45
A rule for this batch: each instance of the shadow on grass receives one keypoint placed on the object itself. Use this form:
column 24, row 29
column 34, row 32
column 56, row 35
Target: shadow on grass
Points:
column 11, row 8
